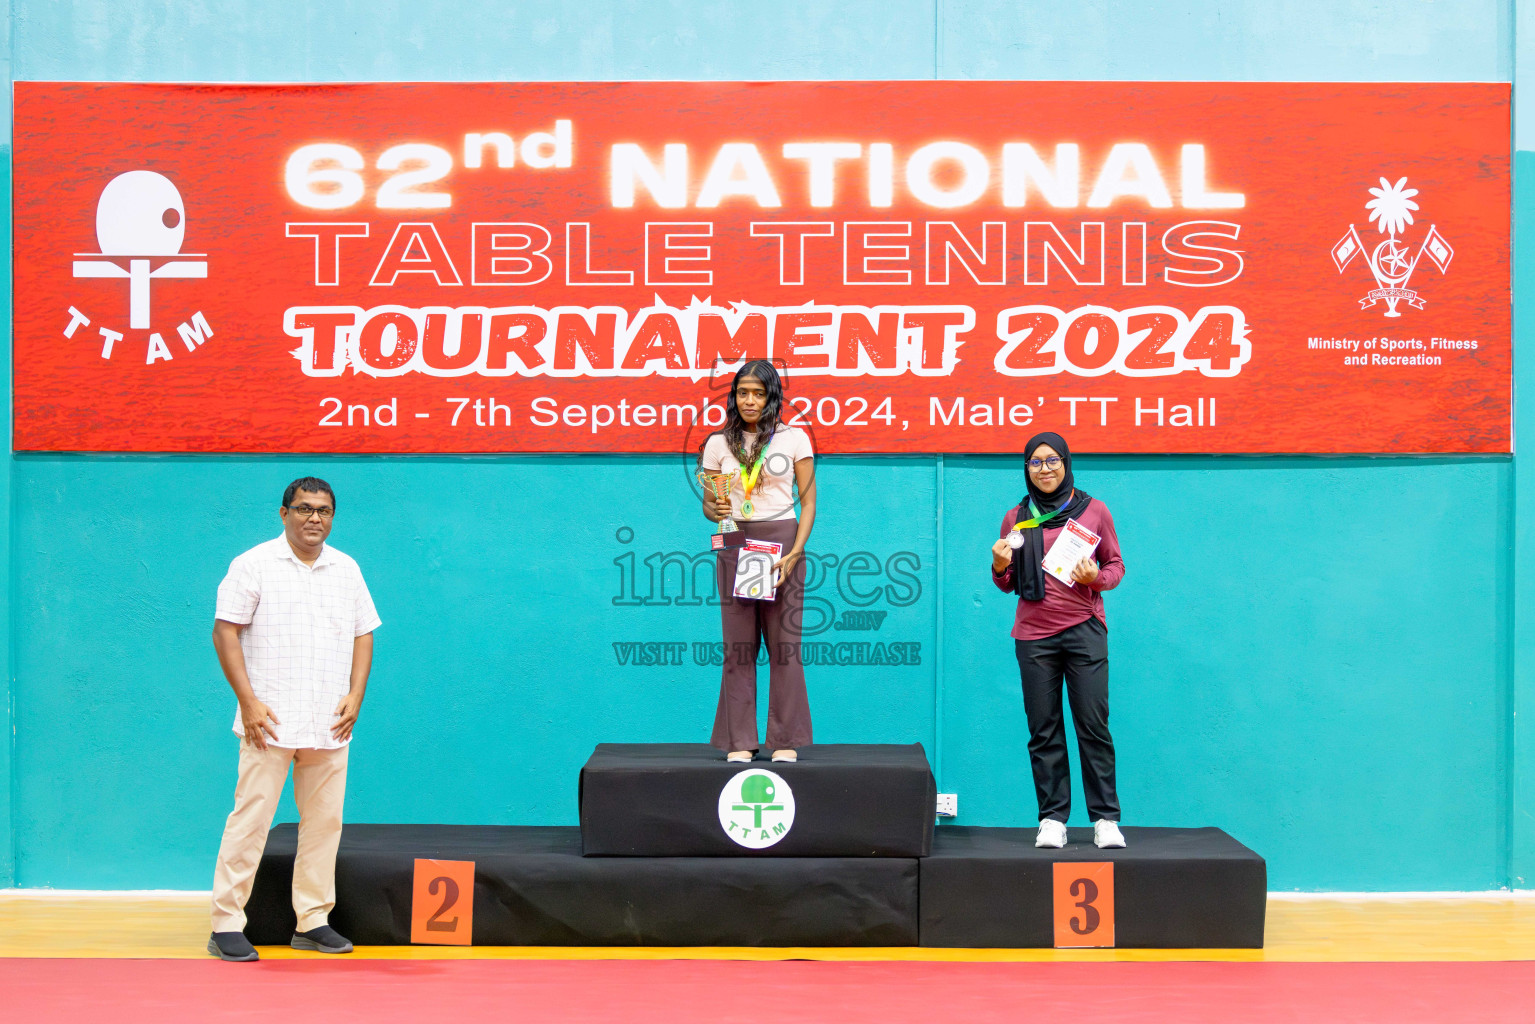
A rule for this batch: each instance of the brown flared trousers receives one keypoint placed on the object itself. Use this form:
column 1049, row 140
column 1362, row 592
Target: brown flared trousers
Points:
column 746, row 625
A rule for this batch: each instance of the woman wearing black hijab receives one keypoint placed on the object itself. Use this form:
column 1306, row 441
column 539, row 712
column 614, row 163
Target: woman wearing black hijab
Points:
column 1061, row 635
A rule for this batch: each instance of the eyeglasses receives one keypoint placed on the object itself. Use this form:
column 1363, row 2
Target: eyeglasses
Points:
column 305, row 511
column 1052, row 462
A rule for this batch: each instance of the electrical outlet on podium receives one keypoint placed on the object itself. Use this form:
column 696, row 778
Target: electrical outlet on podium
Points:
column 948, row 805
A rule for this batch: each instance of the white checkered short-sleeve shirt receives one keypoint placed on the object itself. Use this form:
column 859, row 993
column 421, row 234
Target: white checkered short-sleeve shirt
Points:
column 301, row 622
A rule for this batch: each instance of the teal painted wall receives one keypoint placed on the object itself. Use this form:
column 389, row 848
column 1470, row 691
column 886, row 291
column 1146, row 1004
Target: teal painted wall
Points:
column 1337, row 716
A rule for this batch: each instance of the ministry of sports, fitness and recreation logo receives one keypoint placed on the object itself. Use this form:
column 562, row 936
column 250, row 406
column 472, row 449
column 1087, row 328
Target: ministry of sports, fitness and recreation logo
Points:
column 1392, row 261
column 756, row 808
column 141, row 223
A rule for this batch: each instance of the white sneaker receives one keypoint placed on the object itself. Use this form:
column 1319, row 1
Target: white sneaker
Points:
column 1106, row 835
column 1052, row 834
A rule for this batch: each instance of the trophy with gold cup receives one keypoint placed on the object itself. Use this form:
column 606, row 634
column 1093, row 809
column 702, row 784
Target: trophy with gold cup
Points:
column 717, row 487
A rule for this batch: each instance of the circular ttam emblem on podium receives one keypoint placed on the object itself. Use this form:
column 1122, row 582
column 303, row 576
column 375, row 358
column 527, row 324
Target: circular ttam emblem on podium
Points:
column 756, row 808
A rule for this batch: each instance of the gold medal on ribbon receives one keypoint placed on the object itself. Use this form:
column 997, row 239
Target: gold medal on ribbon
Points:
column 749, row 479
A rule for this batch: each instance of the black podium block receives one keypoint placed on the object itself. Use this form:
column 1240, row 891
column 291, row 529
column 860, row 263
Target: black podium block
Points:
column 532, row 887
column 1174, row 888
column 849, row 800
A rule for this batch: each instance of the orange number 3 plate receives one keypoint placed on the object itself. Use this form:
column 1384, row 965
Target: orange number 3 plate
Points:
column 1084, row 904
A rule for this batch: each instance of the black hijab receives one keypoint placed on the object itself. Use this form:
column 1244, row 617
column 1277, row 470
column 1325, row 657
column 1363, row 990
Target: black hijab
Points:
column 1063, row 503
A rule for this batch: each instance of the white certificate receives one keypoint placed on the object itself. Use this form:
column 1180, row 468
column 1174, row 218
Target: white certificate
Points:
column 754, row 569
column 1074, row 543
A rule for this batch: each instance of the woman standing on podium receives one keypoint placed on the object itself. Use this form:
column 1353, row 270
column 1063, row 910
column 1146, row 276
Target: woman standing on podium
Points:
column 767, row 459
column 1060, row 634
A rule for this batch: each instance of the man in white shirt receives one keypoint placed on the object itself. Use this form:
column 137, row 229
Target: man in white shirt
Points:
column 294, row 634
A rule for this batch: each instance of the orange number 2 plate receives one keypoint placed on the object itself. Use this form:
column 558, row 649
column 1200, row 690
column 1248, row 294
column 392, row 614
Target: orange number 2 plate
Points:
column 442, row 903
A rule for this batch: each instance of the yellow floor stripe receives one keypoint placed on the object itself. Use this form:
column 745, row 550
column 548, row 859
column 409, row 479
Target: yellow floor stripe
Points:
column 175, row 926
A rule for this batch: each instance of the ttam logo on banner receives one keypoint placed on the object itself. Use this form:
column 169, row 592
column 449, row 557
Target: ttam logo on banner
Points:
column 140, row 226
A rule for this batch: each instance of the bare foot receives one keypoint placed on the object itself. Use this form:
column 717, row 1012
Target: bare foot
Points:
column 785, row 755
column 739, row 755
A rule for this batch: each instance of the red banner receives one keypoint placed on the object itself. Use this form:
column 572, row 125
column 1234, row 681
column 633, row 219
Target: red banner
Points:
column 935, row 266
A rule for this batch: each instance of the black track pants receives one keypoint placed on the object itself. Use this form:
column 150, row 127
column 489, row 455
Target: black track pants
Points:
column 1079, row 656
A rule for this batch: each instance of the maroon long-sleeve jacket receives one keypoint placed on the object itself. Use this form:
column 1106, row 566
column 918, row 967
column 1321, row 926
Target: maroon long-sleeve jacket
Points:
column 1065, row 606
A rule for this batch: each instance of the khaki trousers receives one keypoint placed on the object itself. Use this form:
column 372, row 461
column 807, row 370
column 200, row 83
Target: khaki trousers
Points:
column 319, row 789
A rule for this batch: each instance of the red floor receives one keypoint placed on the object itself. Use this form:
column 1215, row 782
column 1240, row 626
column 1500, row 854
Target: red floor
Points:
column 795, row 992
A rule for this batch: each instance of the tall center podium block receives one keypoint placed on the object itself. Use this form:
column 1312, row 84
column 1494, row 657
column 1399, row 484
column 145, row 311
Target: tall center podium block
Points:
column 671, row 800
